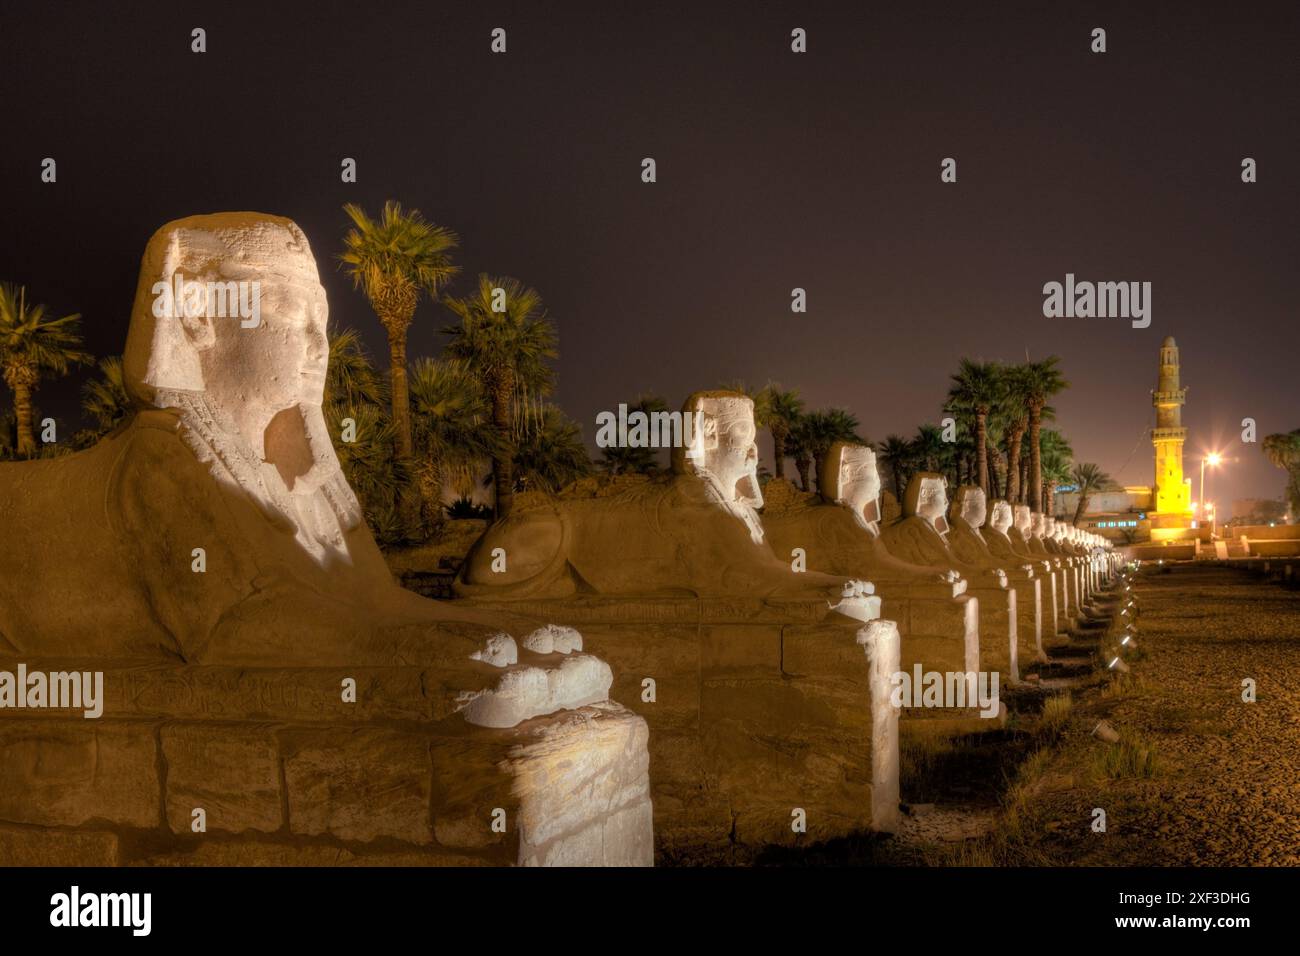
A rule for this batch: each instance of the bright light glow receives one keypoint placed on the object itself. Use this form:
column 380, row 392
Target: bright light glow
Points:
column 1213, row 458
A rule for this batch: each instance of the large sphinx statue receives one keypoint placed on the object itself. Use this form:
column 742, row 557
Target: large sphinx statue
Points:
column 215, row 529
column 699, row 534
column 840, row 534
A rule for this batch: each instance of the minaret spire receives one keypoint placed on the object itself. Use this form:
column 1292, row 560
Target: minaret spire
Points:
column 1171, row 494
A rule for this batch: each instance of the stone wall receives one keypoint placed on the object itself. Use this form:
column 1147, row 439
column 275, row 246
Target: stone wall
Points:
column 288, row 774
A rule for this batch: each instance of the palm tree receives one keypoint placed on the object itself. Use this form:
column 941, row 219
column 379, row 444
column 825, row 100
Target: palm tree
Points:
column 928, row 448
column 1088, row 478
column 448, row 411
column 977, row 389
column 350, row 378
column 626, row 460
column 31, row 345
column 509, row 350
column 393, row 261
column 824, row 428
column 800, row 442
column 1283, row 450
column 897, row 454
column 778, row 412
column 1015, row 381
column 1042, row 380
column 105, row 401
column 1055, row 456
column 553, row 454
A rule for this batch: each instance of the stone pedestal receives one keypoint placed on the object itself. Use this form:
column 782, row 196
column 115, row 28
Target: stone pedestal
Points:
column 286, row 773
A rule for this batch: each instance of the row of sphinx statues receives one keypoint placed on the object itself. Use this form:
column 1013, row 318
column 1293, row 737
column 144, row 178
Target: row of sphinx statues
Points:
column 214, row 531
column 997, row 580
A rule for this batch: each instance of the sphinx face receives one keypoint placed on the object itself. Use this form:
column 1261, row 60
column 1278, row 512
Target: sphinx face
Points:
column 1039, row 525
column 1001, row 518
column 280, row 362
column 726, row 447
column 974, row 508
column 859, row 483
column 932, row 503
column 1024, row 520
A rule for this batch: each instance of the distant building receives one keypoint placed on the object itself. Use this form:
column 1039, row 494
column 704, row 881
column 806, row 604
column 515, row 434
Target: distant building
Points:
column 1118, row 514
column 1162, row 512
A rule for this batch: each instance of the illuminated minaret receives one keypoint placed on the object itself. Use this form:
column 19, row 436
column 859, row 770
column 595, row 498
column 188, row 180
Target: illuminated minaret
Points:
column 1171, row 495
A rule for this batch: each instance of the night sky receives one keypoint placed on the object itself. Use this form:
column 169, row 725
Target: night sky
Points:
column 775, row 170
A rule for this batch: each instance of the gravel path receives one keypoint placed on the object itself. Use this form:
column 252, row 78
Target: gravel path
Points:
column 1227, row 786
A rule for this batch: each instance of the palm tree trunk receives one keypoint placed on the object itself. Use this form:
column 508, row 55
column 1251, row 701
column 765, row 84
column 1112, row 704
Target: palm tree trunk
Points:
column 400, row 393
column 778, row 450
column 982, row 452
column 1014, row 438
column 1081, row 508
column 23, row 413
column 804, row 467
column 503, row 463
column 1035, row 456
column 1049, row 497
column 898, row 482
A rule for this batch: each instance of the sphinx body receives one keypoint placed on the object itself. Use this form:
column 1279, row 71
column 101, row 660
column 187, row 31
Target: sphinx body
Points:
column 214, row 533
column 698, row 534
column 840, row 534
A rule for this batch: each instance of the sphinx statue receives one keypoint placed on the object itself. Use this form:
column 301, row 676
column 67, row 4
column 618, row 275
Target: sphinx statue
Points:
column 924, row 534
column 214, row 528
column 1026, row 542
column 840, row 534
column 1052, row 533
column 972, row 543
column 699, row 534
column 765, row 671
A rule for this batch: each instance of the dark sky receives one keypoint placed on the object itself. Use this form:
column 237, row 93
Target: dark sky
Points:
column 776, row 170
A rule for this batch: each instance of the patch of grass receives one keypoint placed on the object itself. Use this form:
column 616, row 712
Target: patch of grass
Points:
column 1132, row 758
column 1124, row 685
column 1056, row 714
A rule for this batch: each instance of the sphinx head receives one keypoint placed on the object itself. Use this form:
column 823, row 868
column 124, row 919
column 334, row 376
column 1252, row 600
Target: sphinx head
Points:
column 927, row 497
column 1039, row 524
column 970, row 505
column 1024, row 520
column 228, row 327
column 723, row 450
column 1001, row 518
column 848, row 476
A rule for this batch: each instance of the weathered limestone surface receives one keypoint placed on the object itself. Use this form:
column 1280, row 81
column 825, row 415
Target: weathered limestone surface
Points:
column 224, row 667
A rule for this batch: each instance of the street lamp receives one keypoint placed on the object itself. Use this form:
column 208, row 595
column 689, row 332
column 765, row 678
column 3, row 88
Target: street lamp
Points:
column 1212, row 459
